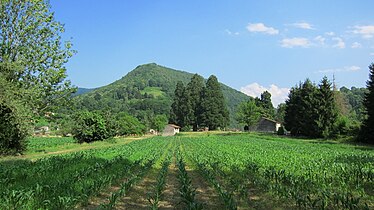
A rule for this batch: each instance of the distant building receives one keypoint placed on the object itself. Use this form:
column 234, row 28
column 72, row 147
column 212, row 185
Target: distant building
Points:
column 266, row 125
column 171, row 130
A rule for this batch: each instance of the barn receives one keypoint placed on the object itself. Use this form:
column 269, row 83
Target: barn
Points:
column 266, row 125
column 171, row 130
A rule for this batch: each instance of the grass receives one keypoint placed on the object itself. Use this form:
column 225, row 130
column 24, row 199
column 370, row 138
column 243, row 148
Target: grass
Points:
column 41, row 147
column 155, row 91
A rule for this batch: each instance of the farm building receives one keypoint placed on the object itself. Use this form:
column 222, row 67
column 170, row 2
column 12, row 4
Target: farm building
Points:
column 266, row 125
column 171, row 130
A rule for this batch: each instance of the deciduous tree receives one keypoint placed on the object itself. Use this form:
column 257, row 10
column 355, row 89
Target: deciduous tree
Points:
column 31, row 38
column 248, row 113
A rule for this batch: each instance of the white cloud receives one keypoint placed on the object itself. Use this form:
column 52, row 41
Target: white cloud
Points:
column 365, row 31
column 295, row 42
column 303, row 25
column 278, row 95
column 356, row 45
column 330, row 33
column 260, row 27
column 344, row 69
column 320, row 40
column 231, row 33
column 372, row 54
column 339, row 43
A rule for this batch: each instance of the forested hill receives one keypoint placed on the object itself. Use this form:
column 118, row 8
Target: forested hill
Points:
column 147, row 91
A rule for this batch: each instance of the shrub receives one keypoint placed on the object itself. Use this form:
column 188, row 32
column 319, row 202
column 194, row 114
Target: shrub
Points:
column 281, row 131
column 89, row 127
column 14, row 127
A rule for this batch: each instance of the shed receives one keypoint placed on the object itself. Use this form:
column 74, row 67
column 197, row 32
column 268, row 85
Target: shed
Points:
column 266, row 125
column 171, row 130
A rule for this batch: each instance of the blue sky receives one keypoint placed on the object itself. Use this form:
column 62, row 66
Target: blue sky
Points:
column 249, row 45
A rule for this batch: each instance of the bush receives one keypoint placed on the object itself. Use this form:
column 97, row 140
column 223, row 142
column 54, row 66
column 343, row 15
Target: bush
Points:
column 281, row 131
column 129, row 125
column 89, row 127
column 14, row 127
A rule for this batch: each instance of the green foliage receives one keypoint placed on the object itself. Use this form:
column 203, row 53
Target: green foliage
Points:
column 15, row 119
column 267, row 109
column 89, row 127
column 129, row 125
column 280, row 112
column 147, row 91
column 214, row 113
column 310, row 110
column 31, row 37
column 194, row 90
column 181, row 110
column 367, row 129
column 327, row 110
column 248, row 113
column 159, row 122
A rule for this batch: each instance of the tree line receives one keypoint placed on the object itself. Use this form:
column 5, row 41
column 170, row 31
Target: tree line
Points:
column 198, row 105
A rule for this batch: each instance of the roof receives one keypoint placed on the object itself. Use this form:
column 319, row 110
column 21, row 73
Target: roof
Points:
column 270, row 120
column 174, row 126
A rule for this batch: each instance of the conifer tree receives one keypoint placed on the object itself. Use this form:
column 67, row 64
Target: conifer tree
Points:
column 194, row 90
column 214, row 111
column 302, row 110
column 180, row 109
column 327, row 110
column 367, row 129
column 292, row 111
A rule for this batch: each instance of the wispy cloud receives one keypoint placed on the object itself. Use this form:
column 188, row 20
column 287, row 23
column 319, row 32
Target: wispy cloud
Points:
column 261, row 28
column 231, row 33
column 344, row 69
column 339, row 43
column 366, row 31
column 372, row 54
column 330, row 33
column 320, row 40
column 278, row 94
column 356, row 45
column 303, row 25
column 295, row 42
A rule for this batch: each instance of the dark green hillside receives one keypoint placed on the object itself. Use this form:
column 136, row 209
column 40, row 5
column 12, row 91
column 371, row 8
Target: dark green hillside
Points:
column 145, row 92
column 81, row 91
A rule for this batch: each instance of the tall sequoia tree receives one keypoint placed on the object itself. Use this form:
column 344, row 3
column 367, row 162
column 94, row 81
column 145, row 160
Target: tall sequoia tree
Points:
column 180, row 112
column 194, row 90
column 214, row 111
column 31, row 38
column 367, row 128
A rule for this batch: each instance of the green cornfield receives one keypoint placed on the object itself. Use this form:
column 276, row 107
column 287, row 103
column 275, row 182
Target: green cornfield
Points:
column 204, row 171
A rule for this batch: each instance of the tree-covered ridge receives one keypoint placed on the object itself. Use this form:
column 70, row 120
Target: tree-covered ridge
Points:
column 147, row 91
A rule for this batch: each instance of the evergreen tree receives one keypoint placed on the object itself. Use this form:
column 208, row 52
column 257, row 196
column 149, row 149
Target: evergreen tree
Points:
column 214, row 111
column 180, row 112
column 194, row 90
column 301, row 115
column 327, row 110
column 367, row 129
column 292, row 112
column 308, row 112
